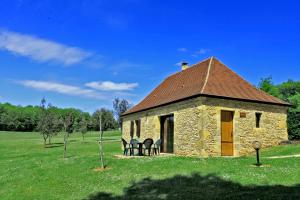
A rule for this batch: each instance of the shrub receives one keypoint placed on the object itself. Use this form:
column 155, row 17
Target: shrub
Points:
column 293, row 121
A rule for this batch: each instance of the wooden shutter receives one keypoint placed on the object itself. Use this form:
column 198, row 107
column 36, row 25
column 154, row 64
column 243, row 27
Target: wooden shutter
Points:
column 138, row 128
column 131, row 129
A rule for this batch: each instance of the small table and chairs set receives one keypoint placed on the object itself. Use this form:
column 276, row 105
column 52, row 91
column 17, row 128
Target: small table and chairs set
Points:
column 147, row 147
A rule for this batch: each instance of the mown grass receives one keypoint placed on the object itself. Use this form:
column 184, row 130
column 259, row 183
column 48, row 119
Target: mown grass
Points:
column 31, row 171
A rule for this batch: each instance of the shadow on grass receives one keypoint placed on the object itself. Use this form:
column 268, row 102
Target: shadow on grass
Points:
column 55, row 144
column 199, row 187
column 59, row 144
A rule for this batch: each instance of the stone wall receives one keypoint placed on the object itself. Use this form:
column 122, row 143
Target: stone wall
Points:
column 187, row 124
column 197, row 125
column 273, row 126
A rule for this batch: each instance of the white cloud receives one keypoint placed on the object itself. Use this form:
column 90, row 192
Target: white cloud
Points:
column 111, row 86
column 178, row 64
column 61, row 88
column 182, row 49
column 40, row 49
column 201, row 52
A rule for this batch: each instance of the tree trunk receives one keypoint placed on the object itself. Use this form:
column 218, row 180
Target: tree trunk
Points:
column 101, row 143
column 101, row 150
column 45, row 141
column 83, row 137
column 49, row 140
column 65, row 146
column 65, row 140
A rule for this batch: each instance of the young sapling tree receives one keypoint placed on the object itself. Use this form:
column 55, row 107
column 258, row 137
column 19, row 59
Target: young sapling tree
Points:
column 82, row 126
column 47, row 123
column 68, row 126
column 101, row 141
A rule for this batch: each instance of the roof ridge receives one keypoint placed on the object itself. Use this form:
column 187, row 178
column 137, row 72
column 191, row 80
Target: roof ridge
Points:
column 207, row 74
column 194, row 65
column 201, row 62
column 259, row 90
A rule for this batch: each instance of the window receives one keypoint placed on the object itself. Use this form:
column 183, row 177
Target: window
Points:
column 138, row 127
column 257, row 116
column 131, row 129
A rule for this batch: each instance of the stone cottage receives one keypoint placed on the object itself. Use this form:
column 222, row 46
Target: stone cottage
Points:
column 207, row 110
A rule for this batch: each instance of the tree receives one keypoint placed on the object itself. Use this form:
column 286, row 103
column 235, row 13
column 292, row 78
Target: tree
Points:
column 294, row 125
column 82, row 126
column 18, row 118
column 101, row 140
column 47, row 125
column 68, row 122
column 2, row 113
column 288, row 91
column 267, row 85
column 108, row 120
column 120, row 106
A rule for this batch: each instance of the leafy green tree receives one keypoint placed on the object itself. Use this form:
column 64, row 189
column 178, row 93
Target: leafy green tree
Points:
column 288, row 91
column 18, row 118
column 47, row 123
column 82, row 126
column 2, row 112
column 68, row 122
column 108, row 120
column 267, row 85
column 294, row 125
column 295, row 101
column 120, row 106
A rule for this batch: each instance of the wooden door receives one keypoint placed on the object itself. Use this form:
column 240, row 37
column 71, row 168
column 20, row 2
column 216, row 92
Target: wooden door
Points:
column 167, row 134
column 226, row 133
column 164, row 135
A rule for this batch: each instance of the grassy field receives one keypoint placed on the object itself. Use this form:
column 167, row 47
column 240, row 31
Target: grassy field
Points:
column 31, row 171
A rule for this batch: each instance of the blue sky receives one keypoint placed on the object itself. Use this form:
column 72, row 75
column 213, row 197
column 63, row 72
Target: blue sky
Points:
column 85, row 53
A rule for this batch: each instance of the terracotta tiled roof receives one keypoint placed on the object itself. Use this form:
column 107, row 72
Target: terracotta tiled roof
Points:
column 208, row 78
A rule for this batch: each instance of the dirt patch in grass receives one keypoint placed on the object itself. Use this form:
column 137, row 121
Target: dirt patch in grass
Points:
column 100, row 169
column 260, row 166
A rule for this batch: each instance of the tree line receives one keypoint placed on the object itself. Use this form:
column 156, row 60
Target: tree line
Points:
column 288, row 91
column 28, row 118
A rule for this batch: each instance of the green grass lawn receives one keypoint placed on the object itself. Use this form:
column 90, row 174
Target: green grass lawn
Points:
column 31, row 171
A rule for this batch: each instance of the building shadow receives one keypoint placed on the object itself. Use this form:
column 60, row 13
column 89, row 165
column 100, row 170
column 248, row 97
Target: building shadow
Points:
column 199, row 187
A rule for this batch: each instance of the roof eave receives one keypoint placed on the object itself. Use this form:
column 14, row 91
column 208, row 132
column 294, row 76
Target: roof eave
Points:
column 212, row 96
